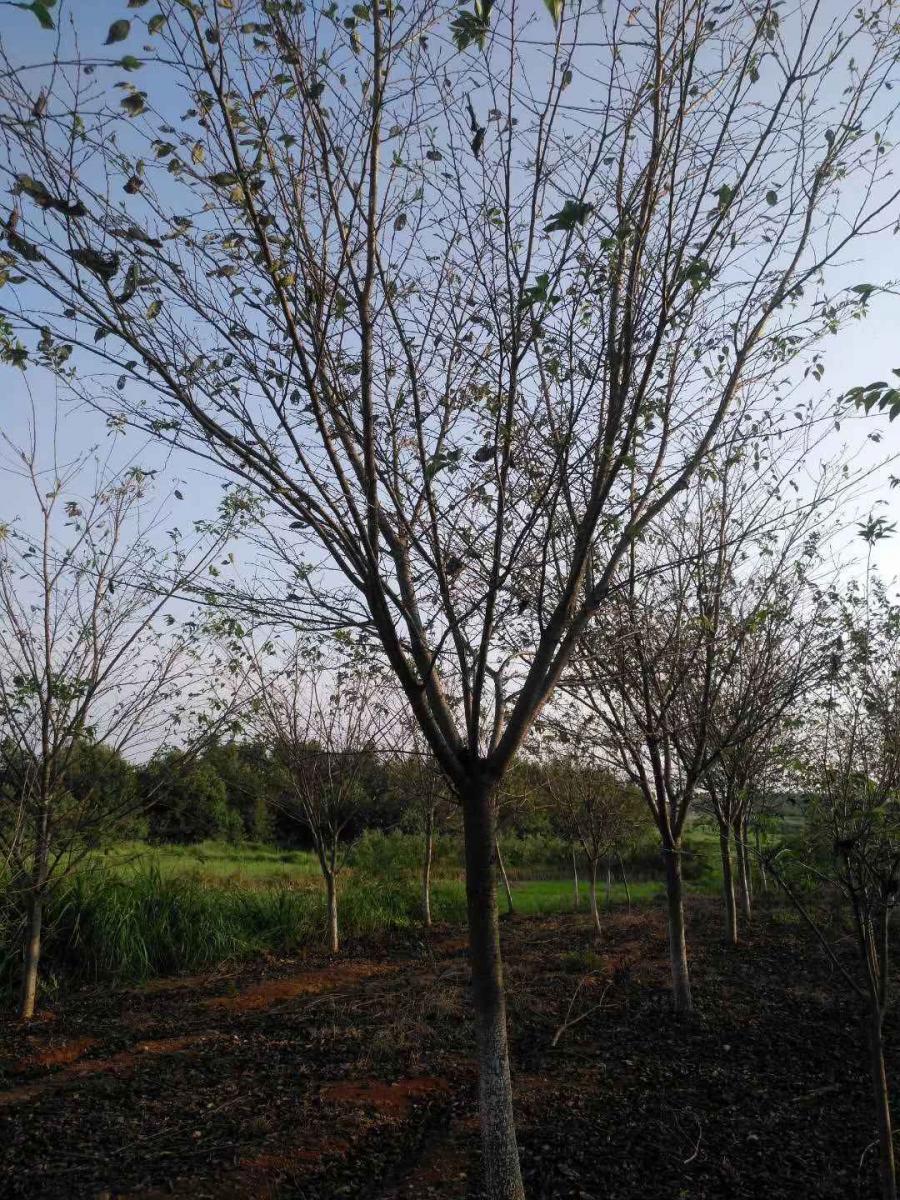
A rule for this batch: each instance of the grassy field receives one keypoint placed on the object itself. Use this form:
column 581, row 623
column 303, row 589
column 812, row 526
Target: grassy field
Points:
column 220, row 864
column 136, row 911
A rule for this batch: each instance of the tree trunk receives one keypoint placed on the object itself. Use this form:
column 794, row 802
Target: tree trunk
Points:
column 502, row 1173
column 624, row 880
column 681, row 980
column 731, row 930
column 608, row 901
column 595, row 911
column 740, row 844
column 761, row 864
column 509, row 900
column 886, row 1167
column 575, row 879
column 331, row 894
column 426, row 869
column 32, row 956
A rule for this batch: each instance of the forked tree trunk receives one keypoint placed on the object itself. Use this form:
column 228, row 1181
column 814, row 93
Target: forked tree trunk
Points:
column 509, row 900
column 624, row 880
column 743, row 864
column 331, row 897
column 731, row 930
column 426, row 869
column 32, row 956
column 595, row 910
column 576, row 897
column 886, row 1166
column 681, row 980
column 503, row 1176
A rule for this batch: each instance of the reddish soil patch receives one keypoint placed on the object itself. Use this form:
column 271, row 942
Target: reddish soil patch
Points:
column 77, row 1068
column 58, row 1055
column 247, row 1096
column 308, row 983
column 178, row 983
column 390, row 1099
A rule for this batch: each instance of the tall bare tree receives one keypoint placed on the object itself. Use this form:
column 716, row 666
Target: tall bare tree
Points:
column 467, row 294
column 709, row 642
column 93, row 651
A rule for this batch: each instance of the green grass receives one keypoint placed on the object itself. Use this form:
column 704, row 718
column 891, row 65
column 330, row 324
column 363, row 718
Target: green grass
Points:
column 138, row 911
column 217, row 862
column 536, row 897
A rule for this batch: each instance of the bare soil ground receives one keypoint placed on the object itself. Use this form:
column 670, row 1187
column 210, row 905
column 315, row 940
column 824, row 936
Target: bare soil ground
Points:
column 305, row 1079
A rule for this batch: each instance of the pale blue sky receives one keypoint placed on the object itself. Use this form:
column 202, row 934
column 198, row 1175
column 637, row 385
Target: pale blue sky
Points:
column 865, row 352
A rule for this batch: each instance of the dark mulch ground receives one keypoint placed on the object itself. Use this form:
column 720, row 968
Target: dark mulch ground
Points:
column 312, row 1078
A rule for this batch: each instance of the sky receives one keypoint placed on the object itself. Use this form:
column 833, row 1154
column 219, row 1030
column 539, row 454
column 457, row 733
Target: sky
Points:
column 860, row 354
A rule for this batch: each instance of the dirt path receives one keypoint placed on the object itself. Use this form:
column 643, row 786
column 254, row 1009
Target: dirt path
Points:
column 300, row 1080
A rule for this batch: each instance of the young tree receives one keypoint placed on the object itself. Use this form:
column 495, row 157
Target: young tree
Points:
column 852, row 773
column 324, row 723
column 467, row 312
column 598, row 810
column 736, row 786
column 709, row 642
column 423, row 788
column 93, row 663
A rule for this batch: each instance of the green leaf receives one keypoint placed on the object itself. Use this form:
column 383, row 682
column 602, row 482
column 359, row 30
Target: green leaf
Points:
column 155, row 24
column 153, row 309
column 105, row 266
column 136, row 3
column 724, row 195
column 41, row 9
column 135, row 104
column 132, row 281
column 555, row 9
column 771, row 197
column 118, row 32
column 130, row 63
column 198, row 153
column 572, row 213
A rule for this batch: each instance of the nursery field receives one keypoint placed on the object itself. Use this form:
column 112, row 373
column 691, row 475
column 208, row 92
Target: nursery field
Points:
column 307, row 1076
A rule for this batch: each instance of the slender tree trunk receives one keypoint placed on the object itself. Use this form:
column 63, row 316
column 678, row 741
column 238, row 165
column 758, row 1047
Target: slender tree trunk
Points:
column 681, row 980
column 503, row 1175
column 731, row 929
column 595, row 910
column 761, row 864
column 743, row 865
column 608, row 901
column 624, row 880
column 576, row 897
column 886, row 1167
column 509, row 900
column 331, row 895
column 426, row 869
column 32, row 955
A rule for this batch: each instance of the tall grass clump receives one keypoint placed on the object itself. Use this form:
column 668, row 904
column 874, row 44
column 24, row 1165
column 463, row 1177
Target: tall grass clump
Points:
column 106, row 925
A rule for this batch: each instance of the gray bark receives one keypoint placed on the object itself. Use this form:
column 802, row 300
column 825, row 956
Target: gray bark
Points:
column 886, row 1166
column 426, row 869
column 595, row 910
column 32, row 955
column 681, row 980
column 503, row 1176
column 731, row 929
